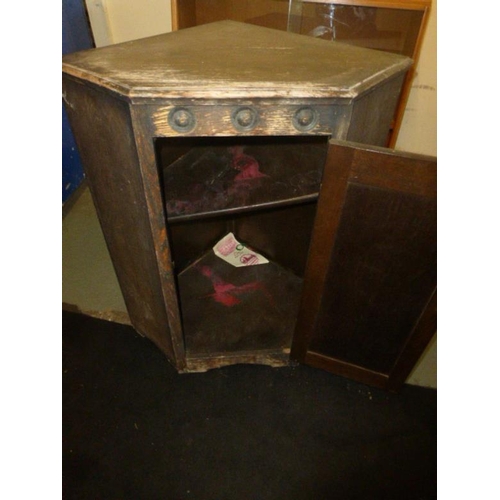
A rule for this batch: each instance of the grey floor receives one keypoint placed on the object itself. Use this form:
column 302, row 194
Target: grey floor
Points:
column 90, row 286
column 89, row 283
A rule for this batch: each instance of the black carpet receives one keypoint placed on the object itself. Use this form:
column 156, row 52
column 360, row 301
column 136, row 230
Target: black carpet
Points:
column 135, row 429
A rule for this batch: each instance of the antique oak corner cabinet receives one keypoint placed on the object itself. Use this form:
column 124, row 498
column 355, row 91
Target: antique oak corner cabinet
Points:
column 273, row 137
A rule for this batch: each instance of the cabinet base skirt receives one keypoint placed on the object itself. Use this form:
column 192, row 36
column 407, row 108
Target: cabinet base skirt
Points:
column 269, row 358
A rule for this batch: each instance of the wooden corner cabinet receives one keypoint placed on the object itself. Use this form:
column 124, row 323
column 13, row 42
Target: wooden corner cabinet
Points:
column 233, row 141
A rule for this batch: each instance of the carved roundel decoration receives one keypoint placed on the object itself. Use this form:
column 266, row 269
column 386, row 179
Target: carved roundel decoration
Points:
column 305, row 119
column 244, row 119
column 181, row 120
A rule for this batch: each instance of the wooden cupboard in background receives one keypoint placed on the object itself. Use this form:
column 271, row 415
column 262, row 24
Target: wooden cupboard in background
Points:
column 267, row 13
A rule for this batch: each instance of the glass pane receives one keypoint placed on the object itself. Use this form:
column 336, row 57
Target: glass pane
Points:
column 267, row 13
column 391, row 30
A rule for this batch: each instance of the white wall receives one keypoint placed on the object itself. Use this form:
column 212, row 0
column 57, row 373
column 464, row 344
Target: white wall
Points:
column 115, row 21
column 418, row 132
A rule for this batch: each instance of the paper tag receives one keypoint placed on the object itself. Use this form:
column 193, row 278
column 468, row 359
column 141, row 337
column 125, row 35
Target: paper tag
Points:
column 237, row 254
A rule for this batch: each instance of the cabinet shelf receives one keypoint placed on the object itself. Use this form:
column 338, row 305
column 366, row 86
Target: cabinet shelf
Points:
column 231, row 310
column 233, row 176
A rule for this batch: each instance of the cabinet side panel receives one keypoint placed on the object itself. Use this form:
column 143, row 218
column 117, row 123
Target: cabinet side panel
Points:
column 373, row 114
column 103, row 131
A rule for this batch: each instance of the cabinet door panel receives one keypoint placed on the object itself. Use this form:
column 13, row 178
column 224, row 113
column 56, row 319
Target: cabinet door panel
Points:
column 368, row 308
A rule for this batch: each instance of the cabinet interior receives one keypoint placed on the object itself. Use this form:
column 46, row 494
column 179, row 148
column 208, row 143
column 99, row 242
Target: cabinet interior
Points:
column 264, row 190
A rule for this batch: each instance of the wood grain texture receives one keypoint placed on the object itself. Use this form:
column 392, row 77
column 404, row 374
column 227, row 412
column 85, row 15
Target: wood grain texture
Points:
column 274, row 359
column 227, row 310
column 381, row 275
column 270, row 13
column 367, row 311
column 231, row 59
column 103, row 131
column 328, row 214
column 274, row 117
column 373, row 113
column 384, row 170
column 349, row 370
column 236, row 175
column 284, row 234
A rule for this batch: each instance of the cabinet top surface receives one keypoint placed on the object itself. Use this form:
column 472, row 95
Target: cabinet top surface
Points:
column 229, row 59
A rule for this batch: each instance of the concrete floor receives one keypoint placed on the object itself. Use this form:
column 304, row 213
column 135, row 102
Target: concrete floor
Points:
column 89, row 282
column 90, row 286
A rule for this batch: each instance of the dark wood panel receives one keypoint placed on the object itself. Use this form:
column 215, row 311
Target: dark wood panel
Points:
column 268, row 13
column 361, row 374
column 381, row 167
column 373, row 114
column 228, row 309
column 328, row 215
column 283, row 234
column 367, row 310
column 231, row 176
column 189, row 240
column 383, row 270
column 103, row 130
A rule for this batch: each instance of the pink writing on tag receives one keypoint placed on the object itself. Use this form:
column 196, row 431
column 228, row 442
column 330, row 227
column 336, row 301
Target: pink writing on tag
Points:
column 249, row 259
column 237, row 254
column 227, row 245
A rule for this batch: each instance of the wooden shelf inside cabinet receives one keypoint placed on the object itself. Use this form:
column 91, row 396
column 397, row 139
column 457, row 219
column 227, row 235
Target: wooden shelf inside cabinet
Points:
column 231, row 310
column 221, row 177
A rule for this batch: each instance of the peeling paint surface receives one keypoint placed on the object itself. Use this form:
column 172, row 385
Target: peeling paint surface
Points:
column 222, row 59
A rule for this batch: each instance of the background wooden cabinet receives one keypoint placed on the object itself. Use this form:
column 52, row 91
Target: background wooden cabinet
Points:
column 267, row 13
